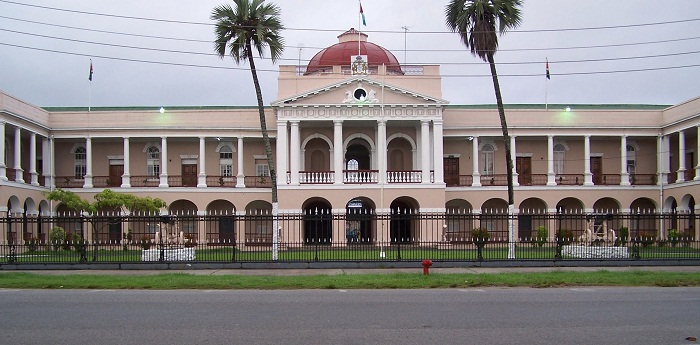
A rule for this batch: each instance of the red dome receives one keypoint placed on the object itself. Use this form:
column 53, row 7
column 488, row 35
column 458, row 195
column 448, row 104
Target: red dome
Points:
column 340, row 54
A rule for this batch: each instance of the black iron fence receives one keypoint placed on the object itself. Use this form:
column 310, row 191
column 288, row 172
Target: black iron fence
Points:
column 354, row 236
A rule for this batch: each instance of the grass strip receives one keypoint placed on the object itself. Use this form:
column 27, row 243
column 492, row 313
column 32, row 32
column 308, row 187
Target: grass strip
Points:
column 173, row 281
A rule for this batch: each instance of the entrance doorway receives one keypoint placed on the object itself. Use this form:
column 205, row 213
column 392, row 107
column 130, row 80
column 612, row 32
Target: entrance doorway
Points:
column 189, row 175
column 523, row 165
column 451, row 171
column 597, row 170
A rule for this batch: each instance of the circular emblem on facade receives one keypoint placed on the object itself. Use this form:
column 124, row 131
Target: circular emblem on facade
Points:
column 359, row 66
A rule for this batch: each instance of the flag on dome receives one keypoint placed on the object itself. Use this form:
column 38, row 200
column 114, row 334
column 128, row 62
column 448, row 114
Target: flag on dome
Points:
column 362, row 13
column 90, row 76
column 547, row 68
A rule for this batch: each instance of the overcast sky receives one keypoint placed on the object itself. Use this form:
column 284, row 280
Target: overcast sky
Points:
column 639, row 60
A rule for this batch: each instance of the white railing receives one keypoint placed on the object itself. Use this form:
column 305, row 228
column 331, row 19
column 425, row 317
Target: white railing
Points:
column 360, row 176
column 316, row 177
column 411, row 176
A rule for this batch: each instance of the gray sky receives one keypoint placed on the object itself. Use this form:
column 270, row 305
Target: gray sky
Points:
column 51, row 78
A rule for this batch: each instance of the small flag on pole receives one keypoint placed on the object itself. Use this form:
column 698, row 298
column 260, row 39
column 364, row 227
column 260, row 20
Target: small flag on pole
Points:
column 362, row 14
column 547, row 68
column 90, row 77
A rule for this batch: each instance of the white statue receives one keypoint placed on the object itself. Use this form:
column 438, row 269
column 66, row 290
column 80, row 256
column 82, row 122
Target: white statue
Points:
column 348, row 97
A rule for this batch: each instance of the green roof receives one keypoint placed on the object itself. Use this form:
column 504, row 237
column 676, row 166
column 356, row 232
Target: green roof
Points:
column 450, row 106
column 563, row 106
column 147, row 108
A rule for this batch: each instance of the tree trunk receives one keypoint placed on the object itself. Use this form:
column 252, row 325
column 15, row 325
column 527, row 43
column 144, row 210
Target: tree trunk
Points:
column 268, row 152
column 509, row 159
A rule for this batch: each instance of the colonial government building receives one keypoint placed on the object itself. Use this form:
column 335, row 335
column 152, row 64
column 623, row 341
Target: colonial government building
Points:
column 355, row 134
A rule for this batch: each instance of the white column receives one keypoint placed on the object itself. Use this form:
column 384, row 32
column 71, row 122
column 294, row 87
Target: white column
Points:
column 33, row 176
column 240, row 176
column 425, row 150
column 202, row 178
column 381, row 150
column 587, row 176
column 52, row 163
column 512, row 159
column 551, row 177
column 697, row 153
column 438, row 148
column 660, row 159
column 624, row 174
column 681, row 157
column 295, row 150
column 46, row 161
column 476, row 176
column 88, row 163
column 19, row 176
column 163, row 162
column 338, row 151
column 126, row 177
column 3, row 166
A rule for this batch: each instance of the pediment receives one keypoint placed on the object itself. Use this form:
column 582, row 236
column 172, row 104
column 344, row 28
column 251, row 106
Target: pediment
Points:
column 359, row 91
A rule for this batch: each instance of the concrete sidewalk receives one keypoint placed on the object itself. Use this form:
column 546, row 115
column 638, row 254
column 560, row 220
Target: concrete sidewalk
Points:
column 342, row 271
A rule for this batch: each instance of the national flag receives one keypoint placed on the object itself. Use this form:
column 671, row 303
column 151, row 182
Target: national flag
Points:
column 547, row 68
column 90, row 77
column 362, row 13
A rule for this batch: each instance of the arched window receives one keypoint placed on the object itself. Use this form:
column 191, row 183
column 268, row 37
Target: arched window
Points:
column 559, row 155
column 153, row 161
column 487, row 159
column 353, row 164
column 80, row 163
column 631, row 160
column 226, row 161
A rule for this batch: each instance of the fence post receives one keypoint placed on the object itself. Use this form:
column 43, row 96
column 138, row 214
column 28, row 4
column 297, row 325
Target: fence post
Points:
column 558, row 236
column 10, row 240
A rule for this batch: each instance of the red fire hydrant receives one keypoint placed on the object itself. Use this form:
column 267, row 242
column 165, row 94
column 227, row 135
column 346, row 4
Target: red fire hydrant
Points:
column 426, row 266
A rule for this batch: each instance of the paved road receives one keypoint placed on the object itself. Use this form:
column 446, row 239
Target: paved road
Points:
column 442, row 316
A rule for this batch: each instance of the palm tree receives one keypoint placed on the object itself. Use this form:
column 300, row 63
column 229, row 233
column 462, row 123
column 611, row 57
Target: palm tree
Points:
column 476, row 21
column 252, row 25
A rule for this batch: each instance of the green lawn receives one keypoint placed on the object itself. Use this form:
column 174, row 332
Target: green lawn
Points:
column 169, row 281
column 325, row 253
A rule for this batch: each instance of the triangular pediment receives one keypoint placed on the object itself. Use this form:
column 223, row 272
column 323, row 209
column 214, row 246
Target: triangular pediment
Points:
column 359, row 91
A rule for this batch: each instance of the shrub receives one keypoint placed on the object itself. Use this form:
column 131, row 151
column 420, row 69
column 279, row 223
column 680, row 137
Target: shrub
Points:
column 145, row 243
column 565, row 237
column 32, row 244
column 480, row 236
column 674, row 236
column 78, row 243
column 624, row 236
column 542, row 234
column 57, row 237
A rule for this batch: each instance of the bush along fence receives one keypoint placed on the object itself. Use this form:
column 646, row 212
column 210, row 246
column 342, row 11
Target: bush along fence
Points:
column 320, row 236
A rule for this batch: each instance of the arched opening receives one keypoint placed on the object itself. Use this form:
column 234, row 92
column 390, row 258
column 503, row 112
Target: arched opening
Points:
column 609, row 210
column 359, row 221
column 258, row 223
column 403, row 220
column 318, row 222
column 359, row 151
column 221, row 223
column 643, row 219
column 459, row 221
column 185, row 212
column 532, row 216
column 494, row 219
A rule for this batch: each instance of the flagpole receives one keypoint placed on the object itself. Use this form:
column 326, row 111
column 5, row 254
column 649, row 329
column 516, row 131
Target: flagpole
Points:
column 90, row 87
column 546, row 83
column 359, row 23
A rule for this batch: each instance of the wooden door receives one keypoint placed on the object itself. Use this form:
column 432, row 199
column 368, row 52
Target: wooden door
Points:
column 523, row 165
column 689, row 166
column 597, row 170
column 189, row 175
column 451, row 172
column 115, row 175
